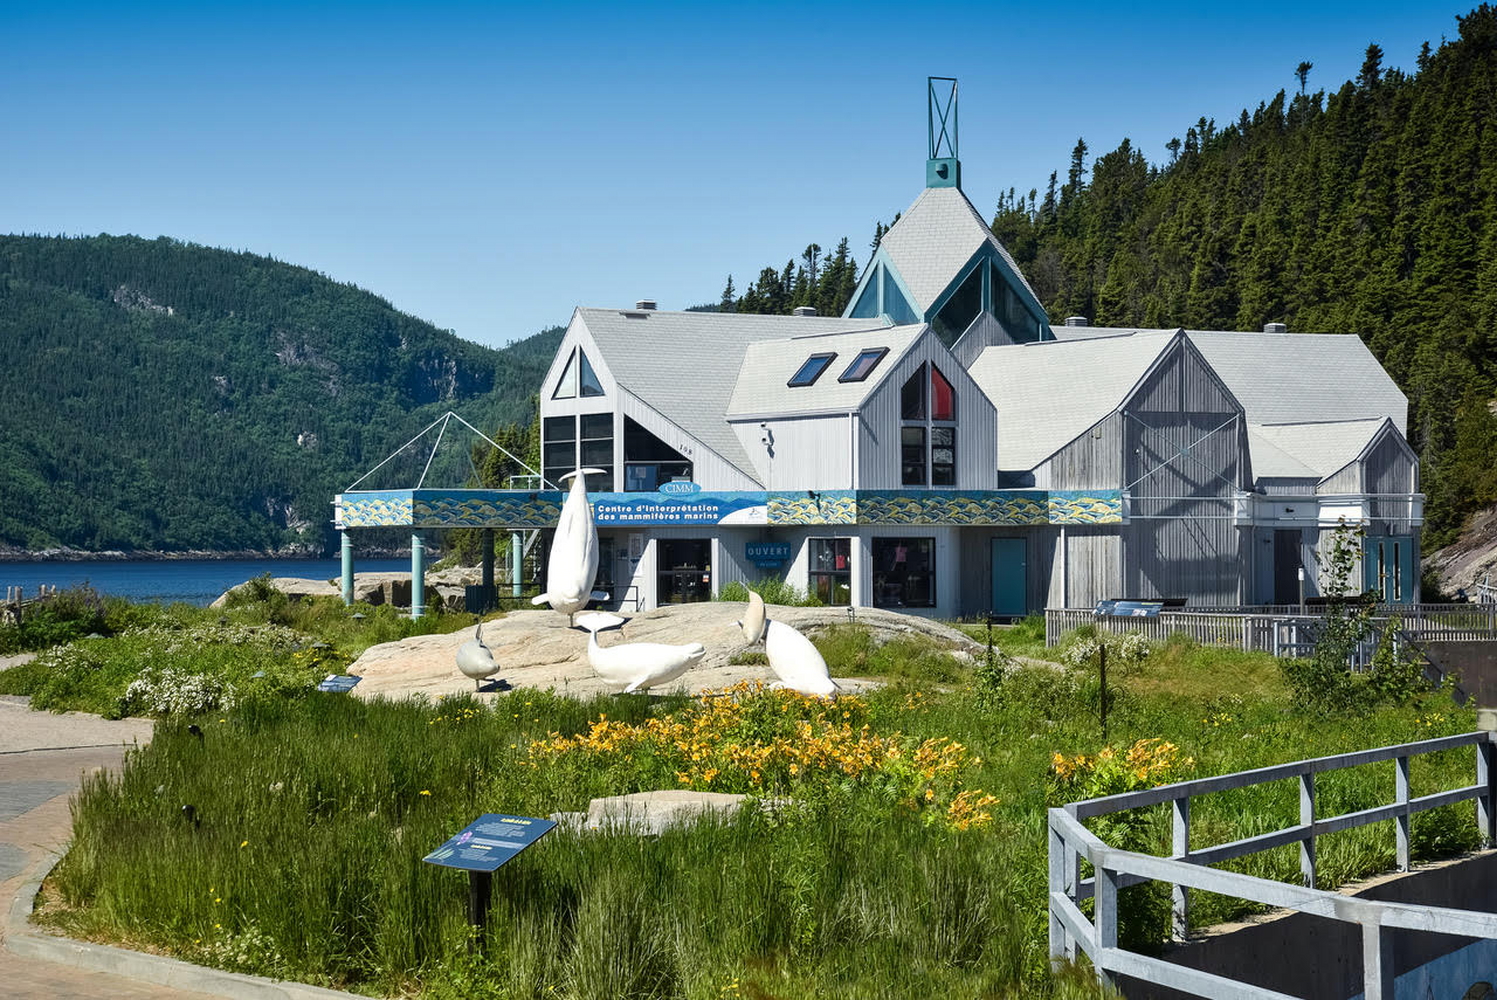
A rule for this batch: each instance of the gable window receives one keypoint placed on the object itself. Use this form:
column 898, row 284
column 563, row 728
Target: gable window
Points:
column 912, row 397
column 943, row 456
column 942, row 396
column 577, row 378
column 811, row 370
column 862, row 366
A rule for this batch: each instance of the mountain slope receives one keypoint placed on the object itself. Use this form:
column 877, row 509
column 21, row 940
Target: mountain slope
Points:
column 161, row 395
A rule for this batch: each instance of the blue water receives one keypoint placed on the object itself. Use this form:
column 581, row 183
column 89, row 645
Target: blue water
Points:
column 193, row 581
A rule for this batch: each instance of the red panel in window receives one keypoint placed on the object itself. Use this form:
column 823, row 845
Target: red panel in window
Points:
column 942, row 396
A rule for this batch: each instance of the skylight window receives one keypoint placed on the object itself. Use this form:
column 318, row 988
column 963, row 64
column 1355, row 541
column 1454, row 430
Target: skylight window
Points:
column 809, row 372
column 862, row 366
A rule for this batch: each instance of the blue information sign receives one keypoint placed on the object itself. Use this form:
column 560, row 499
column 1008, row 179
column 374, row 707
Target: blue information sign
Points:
column 1128, row 609
column 489, row 841
column 339, row 683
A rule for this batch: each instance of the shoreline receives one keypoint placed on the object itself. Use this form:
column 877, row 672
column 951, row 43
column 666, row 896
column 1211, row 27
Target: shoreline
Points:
column 156, row 555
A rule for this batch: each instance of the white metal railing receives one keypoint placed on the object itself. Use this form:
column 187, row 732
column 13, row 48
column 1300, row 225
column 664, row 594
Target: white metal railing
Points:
column 1186, row 869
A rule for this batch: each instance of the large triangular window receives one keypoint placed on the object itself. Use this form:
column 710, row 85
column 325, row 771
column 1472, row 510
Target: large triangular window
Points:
column 588, row 379
column 577, row 378
column 566, row 386
column 867, row 304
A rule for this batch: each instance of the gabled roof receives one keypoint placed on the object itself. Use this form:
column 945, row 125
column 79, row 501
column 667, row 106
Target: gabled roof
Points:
column 1285, row 378
column 685, row 364
column 1325, row 448
column 1049, row 393
column 934, row 239
column 1272, row 462
column 769, row 364
column 1064, row 332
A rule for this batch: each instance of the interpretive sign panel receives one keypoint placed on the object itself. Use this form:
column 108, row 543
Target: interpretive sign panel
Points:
column 339, row 683
column 1128, row 609
column 489, row 841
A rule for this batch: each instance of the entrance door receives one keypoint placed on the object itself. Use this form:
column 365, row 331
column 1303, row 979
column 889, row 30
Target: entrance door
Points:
column 684, row 571
column 1388, row 567
column 1286, row 566
column 1011, row 576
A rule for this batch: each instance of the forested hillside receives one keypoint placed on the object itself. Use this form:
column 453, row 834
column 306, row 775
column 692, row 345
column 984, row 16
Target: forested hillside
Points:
column 160, row 395
column 1371, row 209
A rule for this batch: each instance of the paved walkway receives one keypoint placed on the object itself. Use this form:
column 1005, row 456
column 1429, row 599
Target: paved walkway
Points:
column 42, row 760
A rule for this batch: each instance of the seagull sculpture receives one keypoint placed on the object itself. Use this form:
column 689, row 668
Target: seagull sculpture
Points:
column 573, row 564
column 636, row 665
column 795, row 661
column 475, row 659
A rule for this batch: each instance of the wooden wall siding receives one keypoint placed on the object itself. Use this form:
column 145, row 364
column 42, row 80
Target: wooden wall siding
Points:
column 1182, row 541
column 1390, row 467
column 975, row 572
column 1094, row 461
column 1345, row 480
column 984, row 332
column 1287, row 487
column 976, row 423
column 810, row 453
column 1318, row 565
column 1093, row 559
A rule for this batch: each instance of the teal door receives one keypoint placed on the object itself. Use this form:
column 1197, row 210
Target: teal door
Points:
column 1011, row 576
column 1388, row 567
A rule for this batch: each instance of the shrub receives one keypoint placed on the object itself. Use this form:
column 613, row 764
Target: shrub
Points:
column 772, row 589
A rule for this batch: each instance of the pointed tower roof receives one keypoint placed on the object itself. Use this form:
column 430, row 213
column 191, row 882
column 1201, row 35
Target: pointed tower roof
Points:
column 935, row 239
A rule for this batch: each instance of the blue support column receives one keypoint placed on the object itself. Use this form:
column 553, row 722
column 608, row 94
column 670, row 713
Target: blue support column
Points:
column 418, row 576
column 346, row 548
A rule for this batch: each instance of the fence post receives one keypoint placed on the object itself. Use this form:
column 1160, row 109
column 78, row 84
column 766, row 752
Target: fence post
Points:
column 1486, row 777
column 1307, row 819
column 1062, row 948
column 1180, row 848
column 1106, row 929
column 1401, row 821
column 1377, row 962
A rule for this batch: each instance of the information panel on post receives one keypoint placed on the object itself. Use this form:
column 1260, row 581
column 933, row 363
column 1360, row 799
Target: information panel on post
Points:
column 489, row 841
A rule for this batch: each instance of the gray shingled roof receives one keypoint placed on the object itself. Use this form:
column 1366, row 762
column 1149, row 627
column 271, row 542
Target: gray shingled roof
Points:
column 1272, row 462
column 1063, row 332
column 685, row 364
column 1048, row 393
column 769, row 364
column 933, row 240
column 1325, row 448
column 1286, row 378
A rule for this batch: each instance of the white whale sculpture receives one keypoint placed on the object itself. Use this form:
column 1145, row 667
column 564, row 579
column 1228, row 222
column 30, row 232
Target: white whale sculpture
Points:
column 636, row 665
column 475, row 659
column 573, row 564
column 795, row 661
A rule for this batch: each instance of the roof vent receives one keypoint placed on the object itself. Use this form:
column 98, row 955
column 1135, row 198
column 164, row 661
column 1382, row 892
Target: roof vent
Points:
column 803, row 311
column 1275, row 328
column 645, row 304
column 1076, row 321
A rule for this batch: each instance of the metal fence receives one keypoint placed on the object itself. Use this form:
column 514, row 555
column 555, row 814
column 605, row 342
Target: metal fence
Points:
column 1288, row 630
column 1186, row 869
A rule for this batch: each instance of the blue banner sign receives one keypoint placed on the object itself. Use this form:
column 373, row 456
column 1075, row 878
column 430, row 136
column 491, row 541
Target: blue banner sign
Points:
column 767, row 553
column 489, row 841
column 339, row 683
column 691, row 508
column 1128, row 609
column 680, row 486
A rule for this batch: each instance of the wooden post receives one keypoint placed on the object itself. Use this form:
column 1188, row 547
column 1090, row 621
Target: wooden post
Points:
column 1106, row 909
column 1486, row 777
column 480, row 889
column 1062, row 948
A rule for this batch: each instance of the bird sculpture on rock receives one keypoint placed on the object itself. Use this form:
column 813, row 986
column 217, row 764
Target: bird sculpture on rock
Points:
column 573, row 564
column 475, row 659
column 636, row 665
column 795, row 661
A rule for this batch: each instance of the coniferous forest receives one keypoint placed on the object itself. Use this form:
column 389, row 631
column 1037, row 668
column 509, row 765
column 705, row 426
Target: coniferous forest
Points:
column 1367, row 209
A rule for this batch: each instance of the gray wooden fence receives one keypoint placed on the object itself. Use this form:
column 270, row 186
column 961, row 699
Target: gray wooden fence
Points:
column 1186, row 869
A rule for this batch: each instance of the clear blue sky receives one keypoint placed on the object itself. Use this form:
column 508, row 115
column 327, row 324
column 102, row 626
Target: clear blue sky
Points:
column 489, row 168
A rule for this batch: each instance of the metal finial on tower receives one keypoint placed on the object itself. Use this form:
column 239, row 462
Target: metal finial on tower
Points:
column 942, row 169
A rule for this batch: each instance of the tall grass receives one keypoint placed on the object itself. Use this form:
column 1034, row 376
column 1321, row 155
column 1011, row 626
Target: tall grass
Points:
column 313, row 814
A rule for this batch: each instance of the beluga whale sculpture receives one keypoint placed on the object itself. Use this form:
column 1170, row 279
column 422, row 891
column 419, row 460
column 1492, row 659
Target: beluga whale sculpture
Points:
column 573, row 563
column 636, row 665
column 475, row 659
column 795, row 661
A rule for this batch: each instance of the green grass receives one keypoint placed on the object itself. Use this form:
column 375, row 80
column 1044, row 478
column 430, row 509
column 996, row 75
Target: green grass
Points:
column 853, row 651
